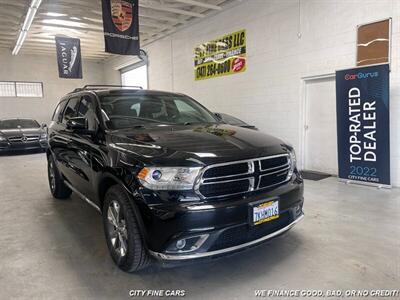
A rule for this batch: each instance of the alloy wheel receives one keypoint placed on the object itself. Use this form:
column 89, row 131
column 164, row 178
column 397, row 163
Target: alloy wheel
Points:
column 52, row 176
column 117, row 231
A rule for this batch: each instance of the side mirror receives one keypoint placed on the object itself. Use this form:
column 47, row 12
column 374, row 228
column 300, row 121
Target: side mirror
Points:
column 77, row 124
column 44, row 125
column 218, row 115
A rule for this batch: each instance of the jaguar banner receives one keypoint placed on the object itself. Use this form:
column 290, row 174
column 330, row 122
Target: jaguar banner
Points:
column 363, row 124
column 225, row 55
column 69, row 57
column 121, row 26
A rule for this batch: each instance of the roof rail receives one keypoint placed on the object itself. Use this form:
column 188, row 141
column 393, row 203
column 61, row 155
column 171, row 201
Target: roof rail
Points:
column 104, row 87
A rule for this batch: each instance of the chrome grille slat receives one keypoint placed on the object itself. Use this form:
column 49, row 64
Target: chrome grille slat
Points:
column 240, row 177
column 29, row 138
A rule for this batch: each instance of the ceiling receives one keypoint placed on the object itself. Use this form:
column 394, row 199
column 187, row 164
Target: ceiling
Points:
column 82, row 19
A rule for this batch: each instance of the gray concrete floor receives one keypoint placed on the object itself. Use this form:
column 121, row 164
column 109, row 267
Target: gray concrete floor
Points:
column 52, row 249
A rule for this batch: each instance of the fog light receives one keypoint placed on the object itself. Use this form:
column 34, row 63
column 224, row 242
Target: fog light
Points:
column 187, row 244
column 180, row 244
column 298, row 210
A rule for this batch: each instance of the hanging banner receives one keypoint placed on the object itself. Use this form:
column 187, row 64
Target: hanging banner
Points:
column 362, row 101
column 223, row 56
column 121, row 26
column 69, row 57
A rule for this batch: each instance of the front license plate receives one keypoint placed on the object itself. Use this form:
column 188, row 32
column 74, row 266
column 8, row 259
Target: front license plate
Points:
column 265, row 212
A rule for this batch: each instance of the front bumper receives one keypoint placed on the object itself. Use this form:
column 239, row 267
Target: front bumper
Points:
column 224, row 224
column 233, row 249
column 21, row 146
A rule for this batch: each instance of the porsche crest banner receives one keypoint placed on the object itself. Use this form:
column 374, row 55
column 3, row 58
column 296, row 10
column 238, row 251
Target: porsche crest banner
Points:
column 121, row 26
column 363, row 124
column 69, row 57
column 225, row 55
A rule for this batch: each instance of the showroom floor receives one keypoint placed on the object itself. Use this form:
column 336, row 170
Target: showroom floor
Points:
column 56, row 249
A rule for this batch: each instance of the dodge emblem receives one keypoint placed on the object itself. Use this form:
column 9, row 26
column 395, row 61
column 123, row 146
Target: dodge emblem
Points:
column 121, row 12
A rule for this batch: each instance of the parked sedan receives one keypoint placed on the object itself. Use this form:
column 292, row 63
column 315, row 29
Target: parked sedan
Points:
column 22, row 134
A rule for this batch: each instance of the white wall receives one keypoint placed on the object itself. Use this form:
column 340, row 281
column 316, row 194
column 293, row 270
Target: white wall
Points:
column 41, row 68
column 268, row 94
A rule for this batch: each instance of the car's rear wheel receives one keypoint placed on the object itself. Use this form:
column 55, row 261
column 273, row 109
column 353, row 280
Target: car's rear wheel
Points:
column 123, row 236
column 57, row 186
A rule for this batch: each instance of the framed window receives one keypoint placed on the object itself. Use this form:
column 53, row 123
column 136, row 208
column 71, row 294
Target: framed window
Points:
column 29, row 89
column 21, row 89
column 135, row 75
column 7, row 89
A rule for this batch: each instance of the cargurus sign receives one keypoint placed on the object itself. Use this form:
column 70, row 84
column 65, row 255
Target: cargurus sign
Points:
column 362, row 102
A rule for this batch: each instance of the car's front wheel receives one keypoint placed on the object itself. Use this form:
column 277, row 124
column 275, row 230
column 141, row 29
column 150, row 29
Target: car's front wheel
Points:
column 57, row 186
column 123, row 236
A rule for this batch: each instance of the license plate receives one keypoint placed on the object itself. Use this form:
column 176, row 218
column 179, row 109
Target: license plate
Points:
column 265, row 212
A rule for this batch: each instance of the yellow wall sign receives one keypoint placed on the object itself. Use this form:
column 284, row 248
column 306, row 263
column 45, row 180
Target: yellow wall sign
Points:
column 223, row 56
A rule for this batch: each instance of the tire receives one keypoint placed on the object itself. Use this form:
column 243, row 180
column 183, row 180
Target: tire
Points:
column 121, row 228
column 57, row 186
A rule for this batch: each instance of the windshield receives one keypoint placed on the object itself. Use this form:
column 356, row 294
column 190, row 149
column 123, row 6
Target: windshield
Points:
column 127, row 110
column 18, row 123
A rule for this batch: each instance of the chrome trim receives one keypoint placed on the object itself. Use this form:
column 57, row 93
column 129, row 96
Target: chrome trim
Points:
column 274, row 168
column 250, row 170
column 83, row 197
column 225, row 181
column 251, row 164
column 271, row 185
column 268, row 174
column 226, row 250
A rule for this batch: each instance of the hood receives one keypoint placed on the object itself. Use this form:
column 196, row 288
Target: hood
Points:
column 194, row 144
column 17, row 132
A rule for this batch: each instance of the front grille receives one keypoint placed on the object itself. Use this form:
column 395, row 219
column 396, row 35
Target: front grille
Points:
column 225, row 188
column 227, row 171
column 273, row 179
column 239, row 177
column 271, row 164
column 26, row 138
column 245, row 233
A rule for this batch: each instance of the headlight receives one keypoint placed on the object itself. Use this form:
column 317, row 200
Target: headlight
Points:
column 292, row 163
column 43, row 136
column 2, row 138
column 165, row 178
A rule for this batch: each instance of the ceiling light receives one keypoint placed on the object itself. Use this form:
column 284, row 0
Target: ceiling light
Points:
column 54, row 14
column 30, row 15
column 63, row 23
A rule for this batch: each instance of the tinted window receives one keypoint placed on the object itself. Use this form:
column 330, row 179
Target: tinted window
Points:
column 125, row 110
column 71, row 109
column 87, row 110
column 57, row 116
column 18, row 123
column 84, row 106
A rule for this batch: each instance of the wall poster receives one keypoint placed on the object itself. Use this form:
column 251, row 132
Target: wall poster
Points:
column 222, row 56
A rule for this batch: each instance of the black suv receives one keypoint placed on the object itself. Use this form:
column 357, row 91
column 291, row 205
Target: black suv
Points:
column 171, row 180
